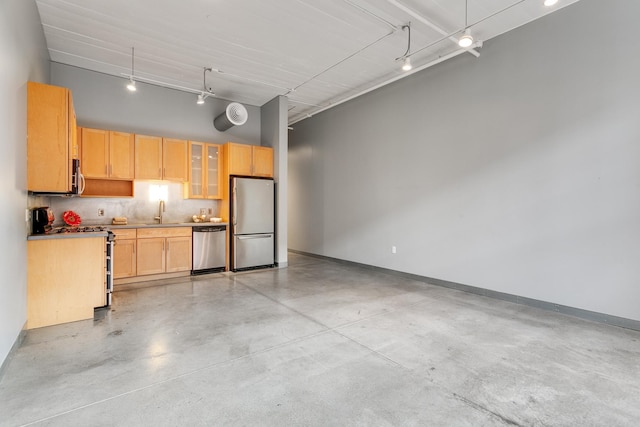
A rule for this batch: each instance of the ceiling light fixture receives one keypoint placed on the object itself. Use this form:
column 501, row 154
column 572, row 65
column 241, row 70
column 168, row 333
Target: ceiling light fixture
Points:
column 550, row 2
column 132, row 84
column 406, row 63
column 406, row 66
column 467, row 39
column 207, row 91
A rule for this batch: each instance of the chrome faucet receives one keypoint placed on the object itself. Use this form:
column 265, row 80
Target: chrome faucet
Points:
column 160, row 212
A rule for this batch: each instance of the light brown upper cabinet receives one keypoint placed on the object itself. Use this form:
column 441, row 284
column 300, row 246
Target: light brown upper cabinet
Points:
column 148, row 157
column 174, row 160
column 248, row 160
column 160, row 158
column 107, row 154
column 205, row 171
column 51, row 138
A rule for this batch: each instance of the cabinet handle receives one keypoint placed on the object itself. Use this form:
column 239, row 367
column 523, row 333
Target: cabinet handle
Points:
column 106, row 170
column 164, row 172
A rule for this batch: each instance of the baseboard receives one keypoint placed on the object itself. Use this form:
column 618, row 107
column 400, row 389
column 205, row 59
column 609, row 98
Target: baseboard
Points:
column 558, row 308
column 18, row 342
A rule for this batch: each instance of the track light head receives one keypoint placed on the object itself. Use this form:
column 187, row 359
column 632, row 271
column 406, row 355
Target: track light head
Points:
column 131, row 85
column 466, row 40
column 200, row 100
column 406, row 65
column 549, row 3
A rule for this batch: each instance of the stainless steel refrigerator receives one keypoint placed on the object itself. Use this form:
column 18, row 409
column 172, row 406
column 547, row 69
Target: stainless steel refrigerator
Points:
column 252, row 223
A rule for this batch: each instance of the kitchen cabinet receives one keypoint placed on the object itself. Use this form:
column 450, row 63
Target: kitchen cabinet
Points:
column 248, row 160
column 66, row 279
column 174, row 160
column 160, row 158
column 243, row 160
column 148, row 157
column 124, row 253
column 204, row 172
column 163, row 250
column 107, row 154
column 51, row 138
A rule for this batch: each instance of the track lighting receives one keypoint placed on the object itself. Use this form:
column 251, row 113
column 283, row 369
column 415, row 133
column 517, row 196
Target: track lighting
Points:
column 467, row 39
column 132, row 84
column 406, row 66
column 207, row 91
column 550, row 2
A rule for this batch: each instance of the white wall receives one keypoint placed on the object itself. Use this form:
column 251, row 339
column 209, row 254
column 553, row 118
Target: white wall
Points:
column 535, row 192
column 24, row 57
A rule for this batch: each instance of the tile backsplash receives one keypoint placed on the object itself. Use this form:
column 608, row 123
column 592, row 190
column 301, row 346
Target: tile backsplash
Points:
column 139, row 209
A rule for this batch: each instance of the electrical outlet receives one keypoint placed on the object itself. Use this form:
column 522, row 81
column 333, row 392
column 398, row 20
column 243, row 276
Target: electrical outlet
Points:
column 393, row 249
column 210, row 211
column 100, row 212
column 203, row 211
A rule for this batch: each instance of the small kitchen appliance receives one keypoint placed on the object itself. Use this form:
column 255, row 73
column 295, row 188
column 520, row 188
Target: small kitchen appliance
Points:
column 39, row 220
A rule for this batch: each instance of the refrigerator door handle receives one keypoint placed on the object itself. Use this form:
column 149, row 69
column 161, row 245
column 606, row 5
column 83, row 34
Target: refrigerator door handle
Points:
column 258, row 236
column 235, row 206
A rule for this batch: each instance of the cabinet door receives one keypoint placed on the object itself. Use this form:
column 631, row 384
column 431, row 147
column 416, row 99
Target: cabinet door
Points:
column 150, row 258
column 48, row 138
column 178, row 254
column 121, row 155
column 213, row 163
column 263, row 161
column 124, row 259
column 196, row 170
column 74, row 143
column 59, row 288
column 239, row 159
column 174, row 160
column 148, row 157
column 95, row 153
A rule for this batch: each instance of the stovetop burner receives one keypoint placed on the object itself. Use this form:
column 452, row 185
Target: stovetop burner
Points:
column 83, row 229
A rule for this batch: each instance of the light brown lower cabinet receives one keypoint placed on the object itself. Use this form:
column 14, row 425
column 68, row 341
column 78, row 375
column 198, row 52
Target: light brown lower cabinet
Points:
column 124, row 253
column 66, row 279
column 163, row 250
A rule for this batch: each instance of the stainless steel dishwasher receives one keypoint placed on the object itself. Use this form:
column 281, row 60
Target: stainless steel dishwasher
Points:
column 209, row 254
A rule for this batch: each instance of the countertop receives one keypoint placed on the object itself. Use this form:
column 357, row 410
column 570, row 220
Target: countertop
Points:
column 168, row 224
column 110, row 226
column 67, row 235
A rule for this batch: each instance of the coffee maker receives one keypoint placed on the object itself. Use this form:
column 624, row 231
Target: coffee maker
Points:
column 39, row 220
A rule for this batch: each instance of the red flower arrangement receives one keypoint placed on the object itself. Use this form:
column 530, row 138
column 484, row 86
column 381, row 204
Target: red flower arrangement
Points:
column 71, row 218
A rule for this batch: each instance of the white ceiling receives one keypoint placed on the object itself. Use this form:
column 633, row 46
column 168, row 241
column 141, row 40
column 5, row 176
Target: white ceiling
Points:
column 316, row 52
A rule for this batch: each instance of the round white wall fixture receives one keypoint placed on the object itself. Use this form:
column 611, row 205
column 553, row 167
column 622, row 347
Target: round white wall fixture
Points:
column 234, row 115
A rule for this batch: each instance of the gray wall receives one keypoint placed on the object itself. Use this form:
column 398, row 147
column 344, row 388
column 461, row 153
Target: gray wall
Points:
column 24, row 57
column 102, row 101
column 274, row 134
column 535, row 192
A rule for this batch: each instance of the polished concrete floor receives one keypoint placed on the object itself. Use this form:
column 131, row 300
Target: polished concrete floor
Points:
column 321, row 344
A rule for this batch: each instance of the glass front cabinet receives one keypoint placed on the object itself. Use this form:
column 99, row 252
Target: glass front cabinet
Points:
column 204, row 171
